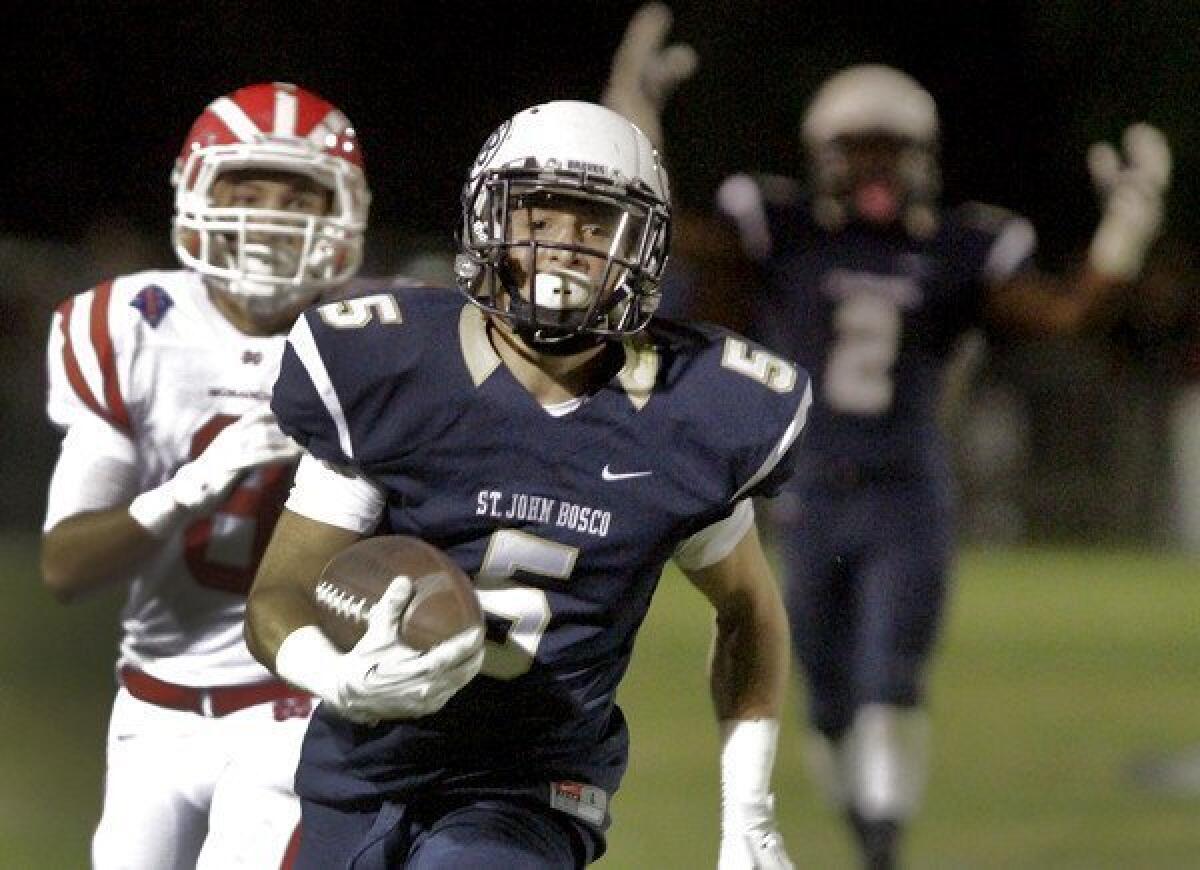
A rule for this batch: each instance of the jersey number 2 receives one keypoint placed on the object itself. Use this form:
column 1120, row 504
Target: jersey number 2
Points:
column 858, row 373
column 223, row 549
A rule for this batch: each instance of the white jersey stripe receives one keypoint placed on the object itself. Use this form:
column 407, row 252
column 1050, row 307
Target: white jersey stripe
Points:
column 713, row 543
column 285, row 113
column 302, row 342
column 233, row 117
column 789, row 436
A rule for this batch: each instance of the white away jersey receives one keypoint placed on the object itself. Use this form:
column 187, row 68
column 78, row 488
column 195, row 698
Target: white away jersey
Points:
column 148, row 358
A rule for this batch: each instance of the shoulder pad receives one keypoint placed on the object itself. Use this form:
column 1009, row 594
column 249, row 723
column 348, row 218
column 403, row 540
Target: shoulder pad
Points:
column 345, row 359
column 766, row 209
column 752, row 403
column 983, row 216
column 88, row 354
column 1000, row 242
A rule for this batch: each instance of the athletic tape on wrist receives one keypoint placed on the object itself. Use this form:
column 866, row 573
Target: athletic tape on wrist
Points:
column 307, row 659
column 747, row 756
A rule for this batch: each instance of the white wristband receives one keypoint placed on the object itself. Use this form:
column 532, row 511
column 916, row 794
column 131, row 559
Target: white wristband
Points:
column 308, row 660
column 747, row 756
column 157, row 512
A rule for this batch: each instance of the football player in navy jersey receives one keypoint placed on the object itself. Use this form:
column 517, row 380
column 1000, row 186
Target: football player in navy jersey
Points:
column 561, row 445
column 868, row 283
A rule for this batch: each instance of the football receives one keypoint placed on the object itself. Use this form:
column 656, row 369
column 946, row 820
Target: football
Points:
column 443, row 602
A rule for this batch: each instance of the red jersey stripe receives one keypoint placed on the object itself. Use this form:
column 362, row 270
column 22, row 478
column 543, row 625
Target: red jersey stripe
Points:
column 293, row 849
column 102, row 342
column 71, row 364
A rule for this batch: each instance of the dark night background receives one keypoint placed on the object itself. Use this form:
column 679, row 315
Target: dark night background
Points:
column 99, row 96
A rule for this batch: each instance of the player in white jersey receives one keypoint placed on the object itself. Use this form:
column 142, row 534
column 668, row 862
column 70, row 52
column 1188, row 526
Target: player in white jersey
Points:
column 172, row 473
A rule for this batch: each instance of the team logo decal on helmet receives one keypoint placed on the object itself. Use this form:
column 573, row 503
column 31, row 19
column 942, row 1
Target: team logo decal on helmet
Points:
column 493, row 143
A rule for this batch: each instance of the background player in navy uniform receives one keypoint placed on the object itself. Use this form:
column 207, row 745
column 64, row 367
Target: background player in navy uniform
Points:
column 561, row 446
column 869, row 285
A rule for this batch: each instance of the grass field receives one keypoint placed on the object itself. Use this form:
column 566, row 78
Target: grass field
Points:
column 1057, row 670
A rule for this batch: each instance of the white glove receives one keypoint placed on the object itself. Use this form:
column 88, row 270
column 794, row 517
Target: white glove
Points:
column 250, row 442
column 749, row 837
column 381, row 678
column 644, row 73
column 1132, row 192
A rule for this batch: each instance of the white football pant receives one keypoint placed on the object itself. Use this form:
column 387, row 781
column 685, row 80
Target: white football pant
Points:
column 188, row 791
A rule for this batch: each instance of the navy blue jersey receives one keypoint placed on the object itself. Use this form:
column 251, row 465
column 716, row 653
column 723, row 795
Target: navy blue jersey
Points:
column 564, row 522
column 871, row 314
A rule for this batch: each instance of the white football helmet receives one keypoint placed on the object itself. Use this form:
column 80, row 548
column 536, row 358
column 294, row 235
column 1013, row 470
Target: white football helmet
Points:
column 270, row 259
column 873, row 100
column 557, row 154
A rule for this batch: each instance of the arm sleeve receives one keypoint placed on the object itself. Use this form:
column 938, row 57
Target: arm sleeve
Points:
column 96, row 470
column 713, row 543
column 336, row 495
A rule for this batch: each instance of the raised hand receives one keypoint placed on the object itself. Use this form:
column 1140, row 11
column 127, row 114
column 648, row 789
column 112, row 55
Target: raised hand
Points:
column 645, row 71
column 1132, row 186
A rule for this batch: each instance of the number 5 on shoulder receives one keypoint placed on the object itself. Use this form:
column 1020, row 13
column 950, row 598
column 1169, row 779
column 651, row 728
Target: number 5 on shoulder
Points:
column 766, row 368
column 357, row 313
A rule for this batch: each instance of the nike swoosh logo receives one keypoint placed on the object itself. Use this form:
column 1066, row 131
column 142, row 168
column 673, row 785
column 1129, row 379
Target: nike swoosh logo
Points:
column 605, row 474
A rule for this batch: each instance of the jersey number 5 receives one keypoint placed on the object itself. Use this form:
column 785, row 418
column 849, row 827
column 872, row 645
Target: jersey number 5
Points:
column 755, row 363
column 223, row 549
column 521, row 612
column 357, row 313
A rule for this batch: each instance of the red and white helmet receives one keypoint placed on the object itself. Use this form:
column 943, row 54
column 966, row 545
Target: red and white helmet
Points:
column 275, row 127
